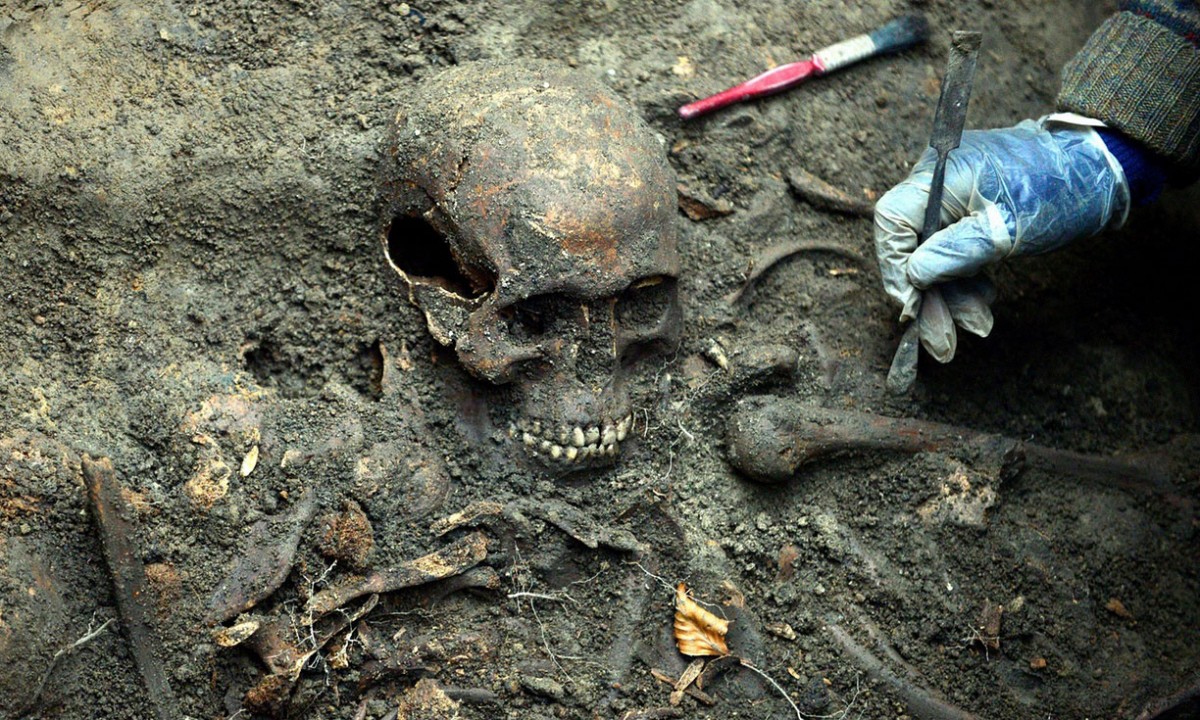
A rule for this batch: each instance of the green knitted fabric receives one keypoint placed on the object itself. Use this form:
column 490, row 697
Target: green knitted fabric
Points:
column 1142, row 77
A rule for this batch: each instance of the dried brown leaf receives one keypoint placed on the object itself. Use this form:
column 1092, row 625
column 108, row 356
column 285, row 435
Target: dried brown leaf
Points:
column 788, row 555
column 988, row 632
column 698, row 633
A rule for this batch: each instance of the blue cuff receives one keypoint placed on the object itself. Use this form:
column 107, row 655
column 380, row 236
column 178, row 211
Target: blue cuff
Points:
column 1144, row 172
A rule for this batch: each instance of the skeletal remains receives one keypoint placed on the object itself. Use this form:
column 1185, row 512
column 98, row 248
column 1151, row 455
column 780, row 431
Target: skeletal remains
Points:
column 531, row 218
column 771, row 439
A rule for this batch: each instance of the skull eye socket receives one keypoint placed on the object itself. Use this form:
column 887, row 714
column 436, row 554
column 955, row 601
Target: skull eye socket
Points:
column 418, row 250
column 643, row 305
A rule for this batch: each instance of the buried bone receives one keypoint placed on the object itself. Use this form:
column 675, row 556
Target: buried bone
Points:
column 455, row 558
column 270, row 550
column 770, row 439
column 111, row 514
column 285, row 651
column 282, row 649
column 921, row 702
column 572, row 521
column 772, row 256
column 531, row 218
column 285, row 647
column 820, row 194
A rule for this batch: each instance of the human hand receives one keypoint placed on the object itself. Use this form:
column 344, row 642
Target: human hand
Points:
column 1024, row 190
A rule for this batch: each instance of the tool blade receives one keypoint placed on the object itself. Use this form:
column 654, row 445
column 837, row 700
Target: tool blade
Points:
column 956, row 91
column 903, row 374
column 947, row 132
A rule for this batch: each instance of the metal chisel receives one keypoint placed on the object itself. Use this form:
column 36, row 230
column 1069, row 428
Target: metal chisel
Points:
column 948, row 124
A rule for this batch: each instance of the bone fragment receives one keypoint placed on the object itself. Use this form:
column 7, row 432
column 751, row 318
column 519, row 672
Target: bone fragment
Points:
column 823, row 196
column 285, row 648
column 480, row 577
column 270, row 551
column 770, row 439
column 691, row 690
column 770, row 257
column 921, row 702
column 567, row 518
column 762, row 365
column 699, row 206
column 249, row 462
column 467, row 517
column 460, row 555
column 685, row 681
column 111, row 513
column 228, row 637
column 716, row 353
column 581, row 526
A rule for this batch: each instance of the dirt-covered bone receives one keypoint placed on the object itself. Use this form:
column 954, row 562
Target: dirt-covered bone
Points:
column 531, row 218
column 457, row 557
column 111, row 513
column 270, row 553
column 770, row 439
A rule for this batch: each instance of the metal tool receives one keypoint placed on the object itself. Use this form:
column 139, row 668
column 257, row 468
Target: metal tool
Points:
column 903, row 32
column 947, row 133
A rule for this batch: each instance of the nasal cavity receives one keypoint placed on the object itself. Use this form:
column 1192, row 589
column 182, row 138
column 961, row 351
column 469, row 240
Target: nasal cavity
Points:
column 595, row 362
column 419, row 251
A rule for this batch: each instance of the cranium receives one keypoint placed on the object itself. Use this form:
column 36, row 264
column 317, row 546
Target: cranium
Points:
column 531, row 218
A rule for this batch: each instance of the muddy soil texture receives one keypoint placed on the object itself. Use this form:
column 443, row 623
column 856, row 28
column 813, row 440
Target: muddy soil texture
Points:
column 229, row 446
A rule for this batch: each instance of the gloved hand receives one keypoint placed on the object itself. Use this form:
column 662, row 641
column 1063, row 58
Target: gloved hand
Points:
column 1023, row 190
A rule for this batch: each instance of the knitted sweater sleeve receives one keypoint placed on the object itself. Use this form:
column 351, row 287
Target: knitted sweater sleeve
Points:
column 1140, row 74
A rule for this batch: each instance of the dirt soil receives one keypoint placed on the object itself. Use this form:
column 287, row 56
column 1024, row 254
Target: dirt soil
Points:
column 192, row 274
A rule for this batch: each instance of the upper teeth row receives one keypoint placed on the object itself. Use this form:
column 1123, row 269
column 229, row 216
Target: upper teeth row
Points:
column 570, row 443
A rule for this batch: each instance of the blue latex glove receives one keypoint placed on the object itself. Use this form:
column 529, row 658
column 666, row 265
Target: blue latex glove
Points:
column 1023, row 190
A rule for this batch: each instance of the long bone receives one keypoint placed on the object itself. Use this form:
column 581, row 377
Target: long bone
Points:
column 771, row 439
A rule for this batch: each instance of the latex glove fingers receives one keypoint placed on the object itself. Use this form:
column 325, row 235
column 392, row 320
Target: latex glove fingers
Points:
column 962, row 249
column 1024, row 190
column 900, row 214
column 936, row 326
column 898, row 217
column 969, row 301
column 965, row 303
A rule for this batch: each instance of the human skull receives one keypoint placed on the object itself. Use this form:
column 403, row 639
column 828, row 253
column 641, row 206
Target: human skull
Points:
column 531, row 218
